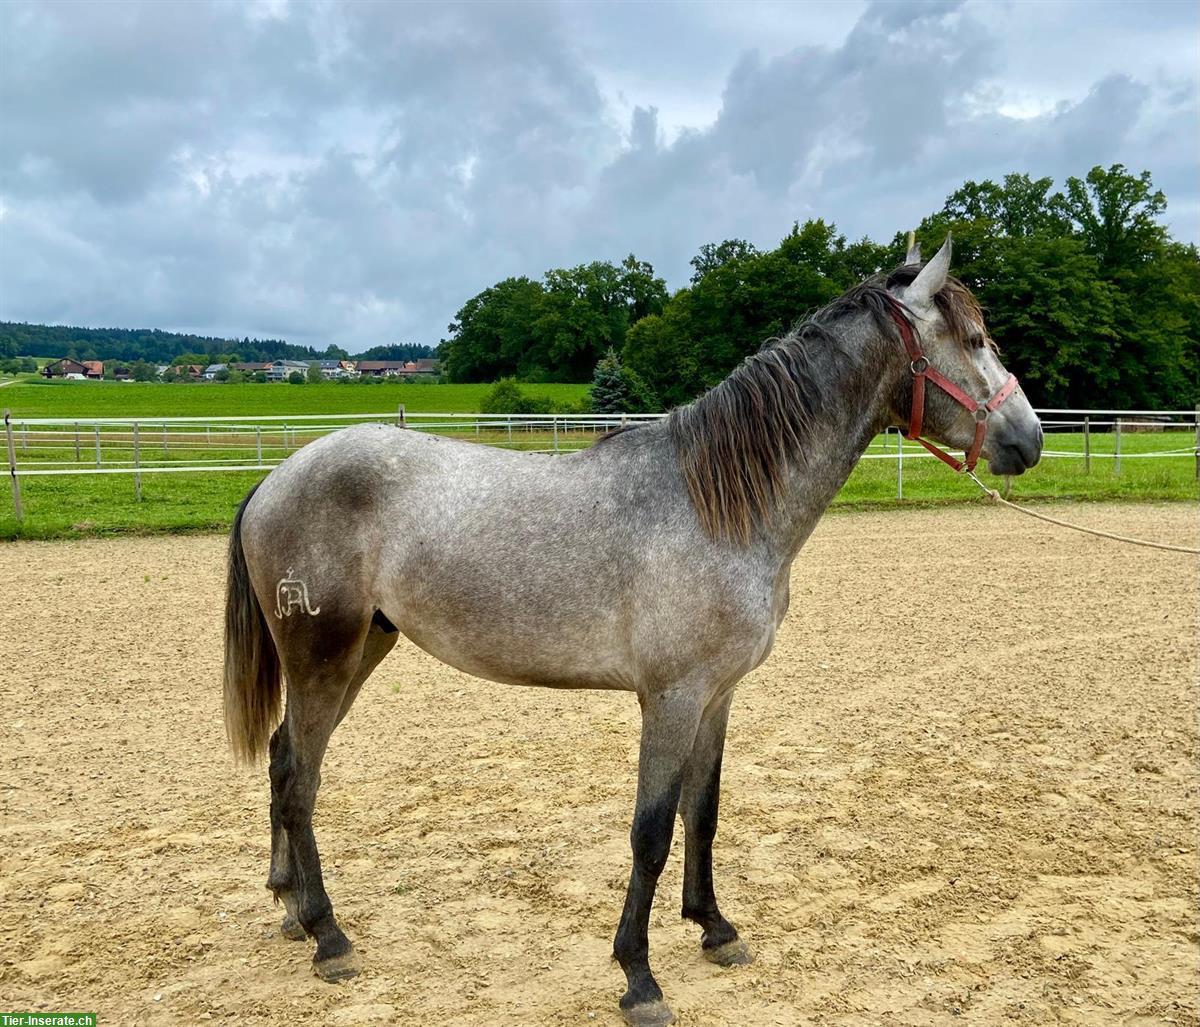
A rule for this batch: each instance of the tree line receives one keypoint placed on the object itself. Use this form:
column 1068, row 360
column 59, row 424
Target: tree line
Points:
column 152, row 346
column 1091, row 300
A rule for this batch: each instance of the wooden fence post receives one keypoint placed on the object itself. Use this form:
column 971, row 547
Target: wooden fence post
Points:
column 77, row 442
column 1117, row 467
column 401, row 420
column 258, row 442
column 1087, row 445
column 137, row 462
column 899, row 464
column 97, row 445
column 12, row 466
column 164, row 433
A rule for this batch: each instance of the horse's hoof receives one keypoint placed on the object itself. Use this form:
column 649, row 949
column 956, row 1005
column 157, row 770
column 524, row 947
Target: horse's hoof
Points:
column 732, row 953
column 649, row 1014
column 292, row 929
column 338, row 968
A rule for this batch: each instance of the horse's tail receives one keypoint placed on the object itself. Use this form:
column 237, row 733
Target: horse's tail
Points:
column 252, row 675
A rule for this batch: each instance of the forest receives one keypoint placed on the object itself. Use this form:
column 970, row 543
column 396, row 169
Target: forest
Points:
column 1092, row 302
column 129, row 345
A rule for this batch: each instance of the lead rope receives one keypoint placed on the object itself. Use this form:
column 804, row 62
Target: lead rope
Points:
column 997, row 498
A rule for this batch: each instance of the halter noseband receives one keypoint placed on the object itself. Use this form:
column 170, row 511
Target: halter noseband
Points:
column 922, row 369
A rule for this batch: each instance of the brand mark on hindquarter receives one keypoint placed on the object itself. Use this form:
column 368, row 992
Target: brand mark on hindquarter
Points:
column 292, row 594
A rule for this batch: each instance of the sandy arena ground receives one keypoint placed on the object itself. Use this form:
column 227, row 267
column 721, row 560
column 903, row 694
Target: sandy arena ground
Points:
column 963, row 789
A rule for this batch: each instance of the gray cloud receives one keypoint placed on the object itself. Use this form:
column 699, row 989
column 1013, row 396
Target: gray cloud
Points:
column 352, row 173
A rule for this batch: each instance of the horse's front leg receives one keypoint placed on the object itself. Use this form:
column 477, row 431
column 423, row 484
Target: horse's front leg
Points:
column 699, row 803
column 669, row 722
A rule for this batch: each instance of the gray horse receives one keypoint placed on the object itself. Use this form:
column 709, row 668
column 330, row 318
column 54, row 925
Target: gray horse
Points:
column 684, row 532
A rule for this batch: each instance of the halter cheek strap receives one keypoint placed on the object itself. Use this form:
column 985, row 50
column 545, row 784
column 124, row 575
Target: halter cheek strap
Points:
column 922, row 370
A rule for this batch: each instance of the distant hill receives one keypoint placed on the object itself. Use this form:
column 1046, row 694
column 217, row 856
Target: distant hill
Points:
column 158, row 347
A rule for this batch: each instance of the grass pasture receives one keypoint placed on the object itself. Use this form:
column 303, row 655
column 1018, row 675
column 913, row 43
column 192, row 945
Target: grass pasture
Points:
column 40, row 398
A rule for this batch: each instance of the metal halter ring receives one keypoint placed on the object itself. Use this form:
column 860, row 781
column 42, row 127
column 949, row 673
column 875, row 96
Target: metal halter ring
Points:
column 923, row 361
column 981, row 413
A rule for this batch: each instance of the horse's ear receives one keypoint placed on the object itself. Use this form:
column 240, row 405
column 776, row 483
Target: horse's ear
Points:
column 931, row 279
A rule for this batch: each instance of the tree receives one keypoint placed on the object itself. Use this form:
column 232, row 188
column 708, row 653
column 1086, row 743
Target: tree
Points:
column 314, row 373
column 713, row 255
column 663, row 350
column 295, row 378
column 552, row 330
column 143, row 372
column 1090, row 302
column 1115, row 213
column 1021, row 207
column 740, row 298
column 617, row 389
column 394, row 351
column 1053, row 314
column 491, row 331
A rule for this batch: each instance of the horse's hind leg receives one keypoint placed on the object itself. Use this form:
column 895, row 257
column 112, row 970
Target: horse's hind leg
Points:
column 313, row 701
column 324, row 664
column 281, row 881
column 698, row 805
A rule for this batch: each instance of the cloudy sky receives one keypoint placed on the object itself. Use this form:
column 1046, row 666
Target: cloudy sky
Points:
column 352, row 172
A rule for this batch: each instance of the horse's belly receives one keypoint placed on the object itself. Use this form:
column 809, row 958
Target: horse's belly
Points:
column 510, row 624
column 512, row 659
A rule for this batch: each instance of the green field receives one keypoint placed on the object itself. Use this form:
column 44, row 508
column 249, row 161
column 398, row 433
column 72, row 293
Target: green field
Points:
column 75, row 506
column 41, row 398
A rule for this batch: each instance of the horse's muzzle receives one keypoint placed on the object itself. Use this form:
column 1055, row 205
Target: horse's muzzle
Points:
column 1017, row 454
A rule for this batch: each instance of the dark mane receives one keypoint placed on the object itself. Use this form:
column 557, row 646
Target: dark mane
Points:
column 612, row 433
column 736, row 443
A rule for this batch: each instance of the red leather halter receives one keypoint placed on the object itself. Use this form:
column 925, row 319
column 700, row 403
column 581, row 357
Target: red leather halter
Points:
column 922, row 369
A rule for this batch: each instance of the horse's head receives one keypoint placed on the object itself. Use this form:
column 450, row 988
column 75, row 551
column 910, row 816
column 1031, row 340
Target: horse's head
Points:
column 958, row 356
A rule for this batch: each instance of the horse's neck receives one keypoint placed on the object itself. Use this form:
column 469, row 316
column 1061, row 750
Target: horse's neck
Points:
column 856, row 394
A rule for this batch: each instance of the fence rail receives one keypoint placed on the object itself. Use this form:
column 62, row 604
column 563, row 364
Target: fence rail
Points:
column 52, row 446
